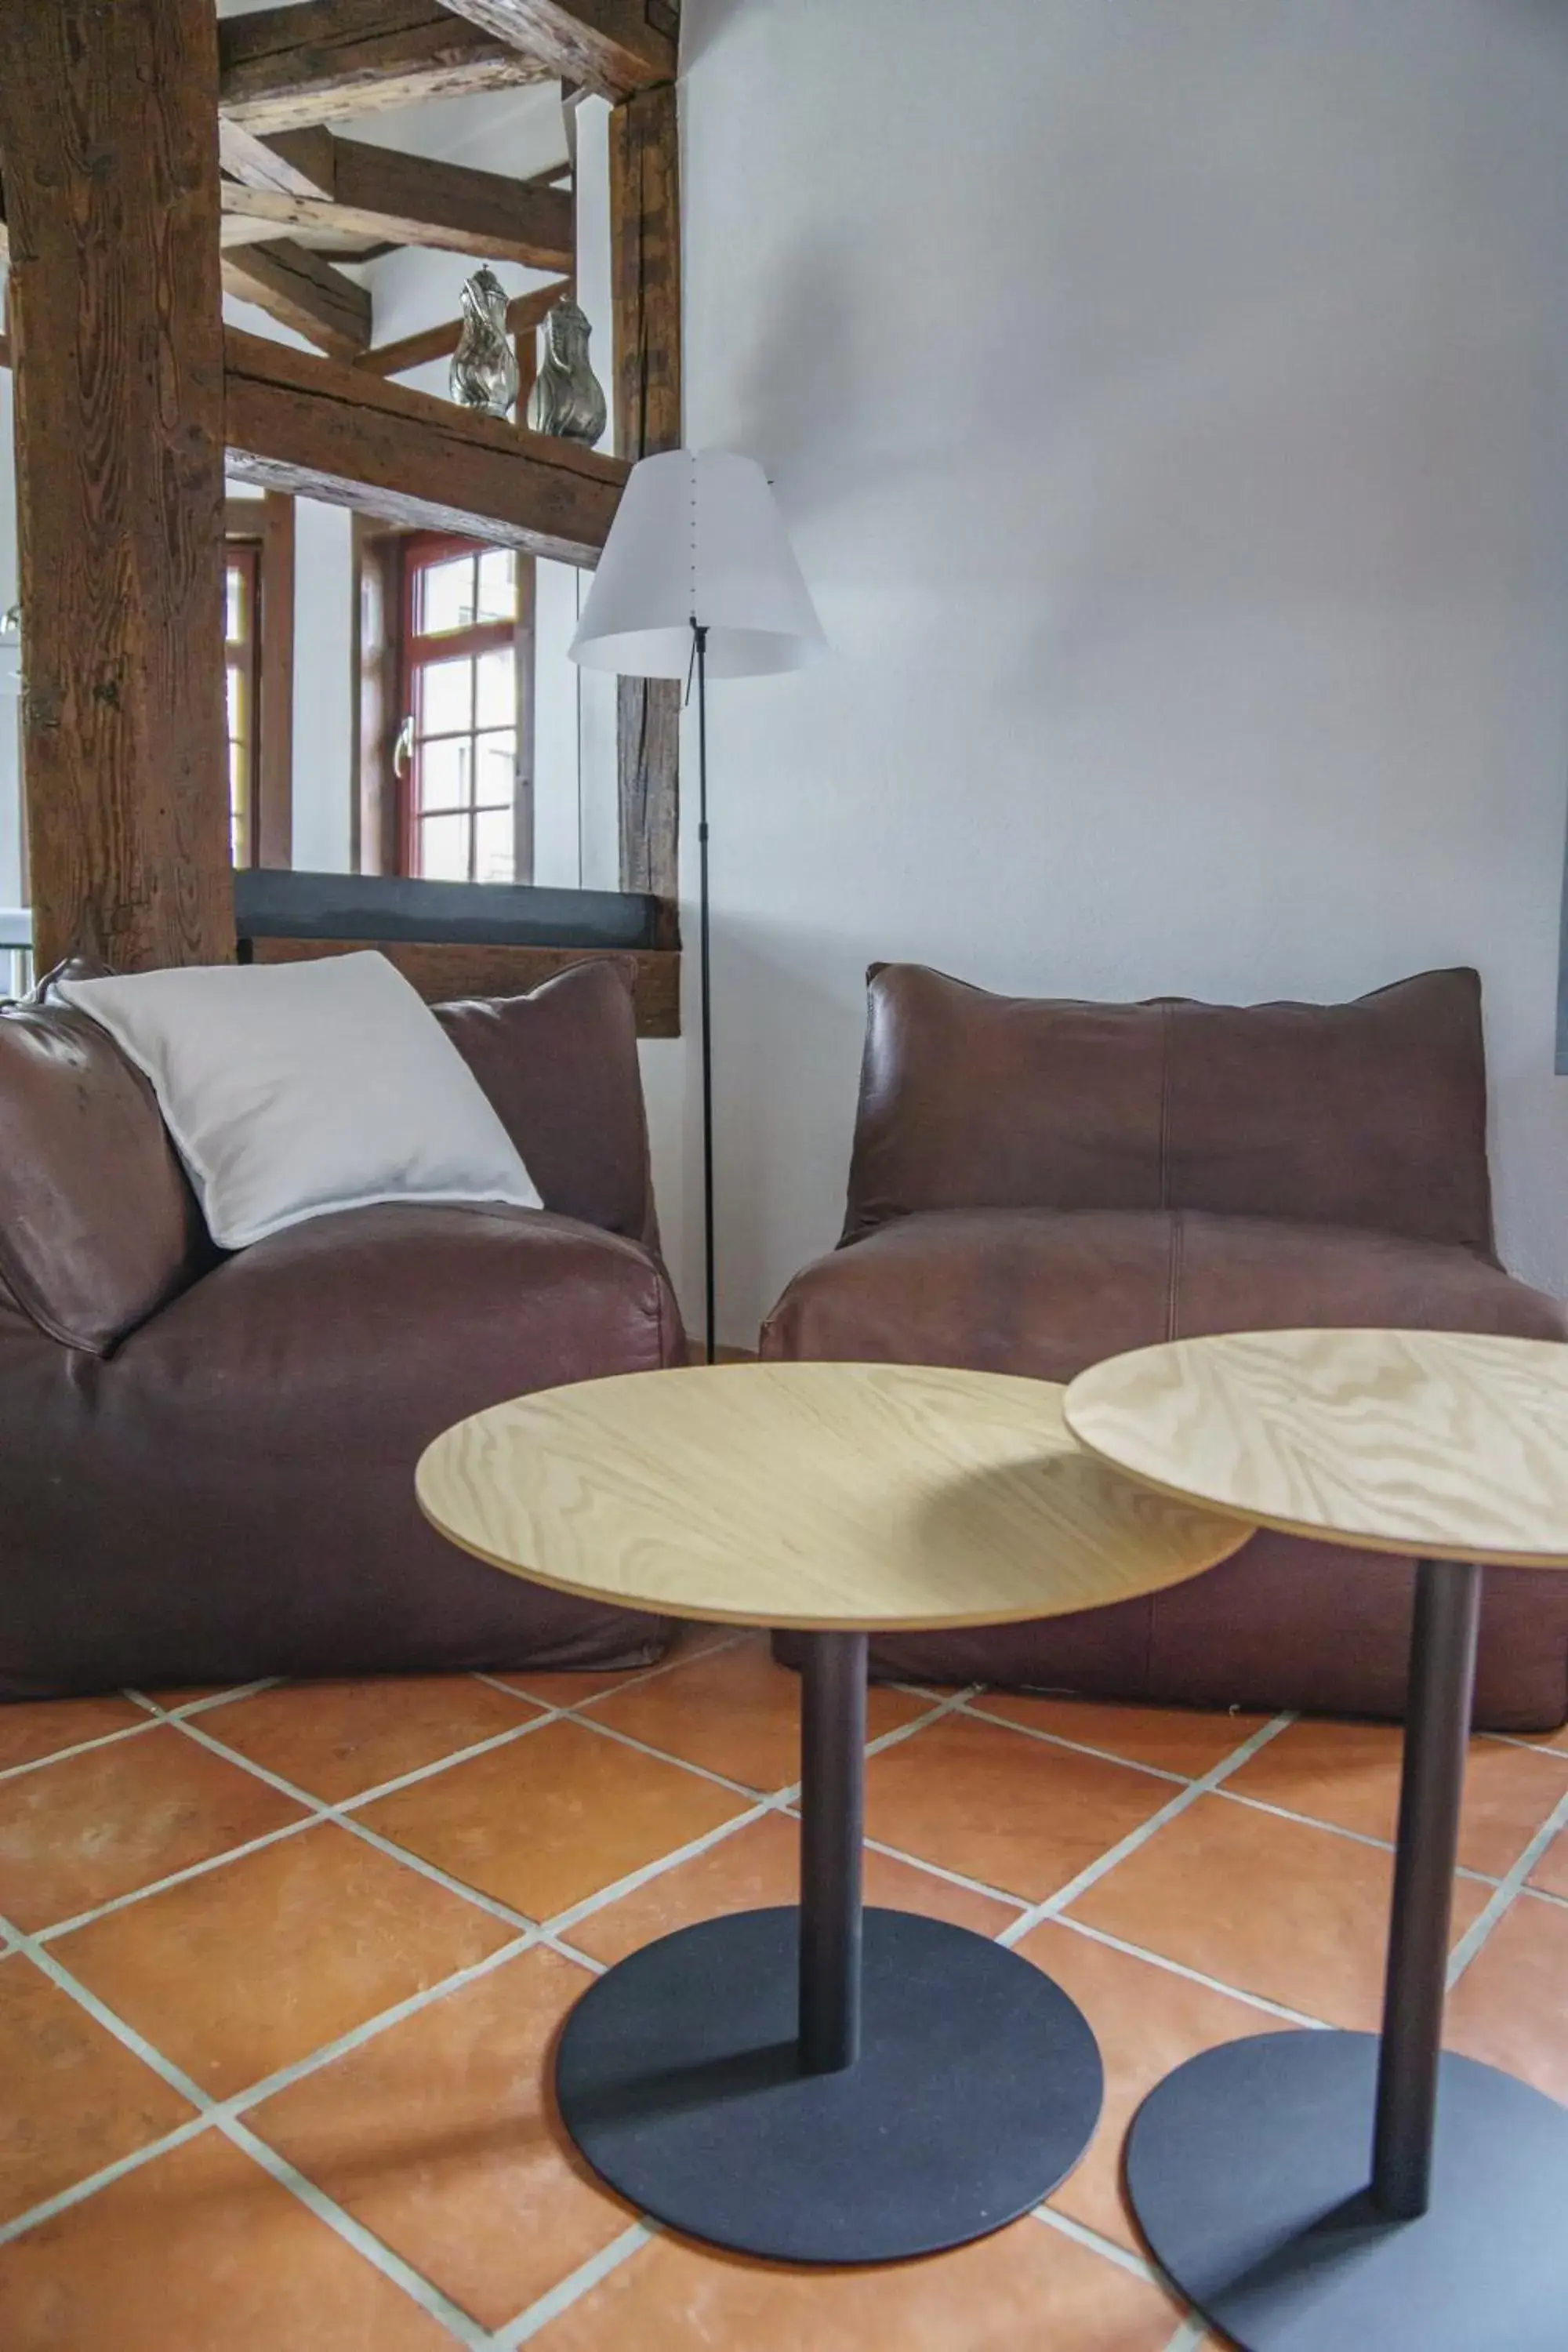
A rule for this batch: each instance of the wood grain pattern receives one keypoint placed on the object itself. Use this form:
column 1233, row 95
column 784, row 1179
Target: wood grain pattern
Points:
column 613, row 47
column 109, row 127
column 299, row 161
column 310, row 425
column 826, row 1495
column 301, row 289
column 644, row 268
column 443, row 970
column 523, row 314
column 1447, row 1445
column 324, row 60
column 379, row 193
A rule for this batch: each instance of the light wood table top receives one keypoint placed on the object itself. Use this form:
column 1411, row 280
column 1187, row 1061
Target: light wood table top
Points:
column 828, row 1496
column 1446, row 1444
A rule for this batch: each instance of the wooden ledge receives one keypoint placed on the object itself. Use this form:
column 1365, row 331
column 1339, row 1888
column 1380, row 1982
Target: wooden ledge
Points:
column 444, row 971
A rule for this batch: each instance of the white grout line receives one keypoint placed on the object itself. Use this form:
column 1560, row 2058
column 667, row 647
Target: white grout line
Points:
column 79, row 1747
column 522, row 1730
column 156, row 1708
column 79, row 2191
column 284, row 2077
column 1194, row 1976
column 571, row 2289
column 952, row 1877
column 1507, row 1889
column 391, row 2264
column 663, row 1756
column 1074, row 1747
column 668, row 1664
column 1337, row 1829
column 318, row 1811
column 321, row 1812
column 267, row 2087
column 1123, row 2256
column 1095, row 1871
column 211, row 2114
column 1232, row 1796
column 58, row 1927
column 226, row 2114
column 561, row 1922
column 1531, row 1747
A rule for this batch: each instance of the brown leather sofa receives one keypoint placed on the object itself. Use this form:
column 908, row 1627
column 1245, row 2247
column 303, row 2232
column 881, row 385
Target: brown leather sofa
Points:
column 1036, row 1185
column 206, row 1462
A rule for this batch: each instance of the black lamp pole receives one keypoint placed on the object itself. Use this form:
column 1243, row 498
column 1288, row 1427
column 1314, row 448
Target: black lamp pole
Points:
column 699, row 647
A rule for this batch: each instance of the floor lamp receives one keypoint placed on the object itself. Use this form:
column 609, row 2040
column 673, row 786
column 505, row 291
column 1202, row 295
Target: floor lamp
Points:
column 698, row 581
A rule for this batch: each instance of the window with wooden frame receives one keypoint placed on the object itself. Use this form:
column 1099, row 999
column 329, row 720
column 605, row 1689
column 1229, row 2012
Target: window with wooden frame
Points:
column 259, row 654
column 242, row 660
column 461, row 759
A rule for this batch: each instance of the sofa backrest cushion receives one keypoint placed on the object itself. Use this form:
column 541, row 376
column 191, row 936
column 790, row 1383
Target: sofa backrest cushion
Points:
column 561, row 1068
column 1369, row 1114
column 97, row 1225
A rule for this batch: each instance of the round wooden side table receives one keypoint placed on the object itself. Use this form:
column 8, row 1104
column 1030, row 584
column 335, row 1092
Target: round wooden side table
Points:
column 820, row 2085
column 1314, row 2190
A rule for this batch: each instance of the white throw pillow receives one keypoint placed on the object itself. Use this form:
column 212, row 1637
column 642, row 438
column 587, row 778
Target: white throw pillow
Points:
column 291, row 1089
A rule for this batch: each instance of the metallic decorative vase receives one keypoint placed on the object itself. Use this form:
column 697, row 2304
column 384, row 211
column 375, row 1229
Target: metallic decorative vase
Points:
column 484, row 366
column 567, row 399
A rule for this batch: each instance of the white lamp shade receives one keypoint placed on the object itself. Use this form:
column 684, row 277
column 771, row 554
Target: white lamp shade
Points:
column 697, row 537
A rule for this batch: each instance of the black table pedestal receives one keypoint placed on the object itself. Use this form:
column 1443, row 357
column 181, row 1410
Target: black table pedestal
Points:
column 829, row 2085
column 1311, row 2192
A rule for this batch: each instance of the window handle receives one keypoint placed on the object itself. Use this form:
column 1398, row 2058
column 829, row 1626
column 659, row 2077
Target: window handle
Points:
column 403, row 750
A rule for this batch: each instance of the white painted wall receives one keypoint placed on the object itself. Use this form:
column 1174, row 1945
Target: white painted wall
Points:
column 1169, row 405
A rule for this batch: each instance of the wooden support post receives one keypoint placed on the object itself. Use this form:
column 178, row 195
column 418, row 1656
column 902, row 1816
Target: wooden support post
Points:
column 109, row 127
column 645, row 260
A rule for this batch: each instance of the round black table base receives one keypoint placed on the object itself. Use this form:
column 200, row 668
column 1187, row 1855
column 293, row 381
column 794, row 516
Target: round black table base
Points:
column 977, row 2089
column 1248, row 2169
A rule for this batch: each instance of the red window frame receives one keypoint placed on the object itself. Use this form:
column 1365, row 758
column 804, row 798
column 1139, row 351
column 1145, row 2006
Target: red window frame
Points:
column 422, row 551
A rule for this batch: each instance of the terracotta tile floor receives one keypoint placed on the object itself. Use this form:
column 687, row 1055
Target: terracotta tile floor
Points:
column 280, row 1971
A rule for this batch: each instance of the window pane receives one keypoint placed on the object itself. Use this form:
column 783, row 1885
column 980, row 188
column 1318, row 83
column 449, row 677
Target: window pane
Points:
column 497, row 598
column 443, row 697
column 236, row 702
column 442, row 849
column 234, row 602
column 495, row 699
column 444, row 597
column 238, row 800
column 495, row 843
column 442, row 772
column 495, row 769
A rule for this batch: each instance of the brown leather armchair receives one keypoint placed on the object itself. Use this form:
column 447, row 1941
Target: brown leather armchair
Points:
column 1036, row 1185
column 206, row 1462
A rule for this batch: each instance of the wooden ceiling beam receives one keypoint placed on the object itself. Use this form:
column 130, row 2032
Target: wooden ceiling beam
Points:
column 362, row 190
column 614, row 46
column 295, row 162
column 524, row 313
column 300, row 290
column 324, row 431
column 324, row 60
